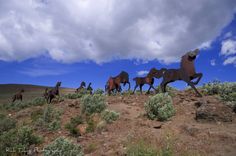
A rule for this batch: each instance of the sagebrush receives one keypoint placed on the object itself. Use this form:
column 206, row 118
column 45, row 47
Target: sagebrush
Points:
column 160, row 107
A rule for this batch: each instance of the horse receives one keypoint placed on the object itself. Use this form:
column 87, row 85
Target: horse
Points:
column 140, row 81
column 81, row 87
column 89, row 88
column 53, row 92
column 186, row 72
column 112, row 85
column 123, row 77
column 45, row 94
column 18, row 96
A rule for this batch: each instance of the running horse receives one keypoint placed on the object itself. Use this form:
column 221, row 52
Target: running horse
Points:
column 18, row 96
column 53, row 92
column 186, row 72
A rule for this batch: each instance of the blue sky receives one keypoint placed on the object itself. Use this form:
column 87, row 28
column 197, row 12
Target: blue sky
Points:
column 40, row 45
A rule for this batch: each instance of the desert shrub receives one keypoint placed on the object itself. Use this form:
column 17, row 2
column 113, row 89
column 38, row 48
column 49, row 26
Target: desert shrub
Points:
column 171, row 90
column 109, row 116
column 63, row 147
column 73, row 96
column 6, row 123
column 18, row 141
column 127, row 92
column 49, row 119
column 99, row 91
column 91, row 126
column 141, row 149
column 160, row 106
column 35, row 115
column 18, row 105
column 92, row 104
column 226, row 91
column 71, row 126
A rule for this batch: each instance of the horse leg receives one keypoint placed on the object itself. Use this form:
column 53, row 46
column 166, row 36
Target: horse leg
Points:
column 153, row 88
column 149, row 89
column 135, row 88
column 197, row 75
column 187, row 80
column 129, row 85
column 141, row 87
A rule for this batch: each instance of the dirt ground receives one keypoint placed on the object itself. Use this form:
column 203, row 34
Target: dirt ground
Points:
column 182, row 132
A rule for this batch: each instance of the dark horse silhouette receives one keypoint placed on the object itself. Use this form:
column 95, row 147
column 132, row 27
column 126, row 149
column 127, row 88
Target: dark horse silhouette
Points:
column 186, row 72
column 81, row 87
column 53, row 93
column 18, row 96
column 140, row 81
column 89, row 88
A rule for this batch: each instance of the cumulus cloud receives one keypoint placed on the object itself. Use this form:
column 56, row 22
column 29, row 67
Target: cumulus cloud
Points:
column 228, row 47
column 103, row 30
column 142, row 72
column 230, row 60
column 213, row 62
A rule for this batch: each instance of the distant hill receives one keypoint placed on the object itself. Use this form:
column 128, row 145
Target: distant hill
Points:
column 31, row 91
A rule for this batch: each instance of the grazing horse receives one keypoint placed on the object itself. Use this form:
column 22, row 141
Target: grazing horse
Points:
column 89, row 88
column 123, row 77
column 112, row 85
column 18, row 96
column 53, row 92
column 186, row 72
column 81, row 87
column 140, row 81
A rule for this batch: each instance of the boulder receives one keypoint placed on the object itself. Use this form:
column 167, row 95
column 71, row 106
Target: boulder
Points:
column 216, row 112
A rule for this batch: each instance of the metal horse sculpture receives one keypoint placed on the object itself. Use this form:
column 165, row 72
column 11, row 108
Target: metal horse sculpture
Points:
column 90, row 89
column 186, row 72
column 53, row 93
column 81, row 87
column 113, row 83
column 140, row 81
column 18, row 96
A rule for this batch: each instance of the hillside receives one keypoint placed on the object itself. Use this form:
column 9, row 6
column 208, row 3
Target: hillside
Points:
column 31, row 91
column 181, row 135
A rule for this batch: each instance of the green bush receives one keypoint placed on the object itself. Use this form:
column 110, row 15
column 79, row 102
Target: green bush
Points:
column 71, row 126
column 99, row 91
column 73, row 96
column 91, row 126
column 18, row 105
column 160, row 106
column 6, row 123
column 226, row 91
column 49, row 119
column 63, row 147
column 18, row 141
column 171, row 90
column 92, row 104
column 141, row 149
column 109, row 116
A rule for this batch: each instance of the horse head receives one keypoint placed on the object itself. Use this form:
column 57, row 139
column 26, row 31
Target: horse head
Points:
column 22, row 90
column 82, row 84
column 193, row 54
column 58, row 84
column 156, row 73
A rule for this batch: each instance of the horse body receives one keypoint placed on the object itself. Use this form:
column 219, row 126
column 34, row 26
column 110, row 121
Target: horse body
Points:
column 53, row 92
column 18, row 96
column 140, row 81
column 123, row 77
column 89, row 88
column 81, row 87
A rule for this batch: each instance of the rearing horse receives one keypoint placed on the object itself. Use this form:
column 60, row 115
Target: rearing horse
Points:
column 186, row 72
column 53, row 92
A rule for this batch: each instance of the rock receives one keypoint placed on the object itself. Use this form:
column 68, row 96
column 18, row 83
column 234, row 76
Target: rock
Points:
column 216, row 112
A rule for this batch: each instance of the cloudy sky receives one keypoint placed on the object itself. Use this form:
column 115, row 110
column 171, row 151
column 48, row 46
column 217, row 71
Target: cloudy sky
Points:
column 42, row 41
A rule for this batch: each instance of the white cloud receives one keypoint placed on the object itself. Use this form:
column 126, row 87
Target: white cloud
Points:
column 37, row 72
column 228, row 34
column 103, row 30
column 142, row 72
column 230, row 60
column 228, row 47
column 213, row 62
